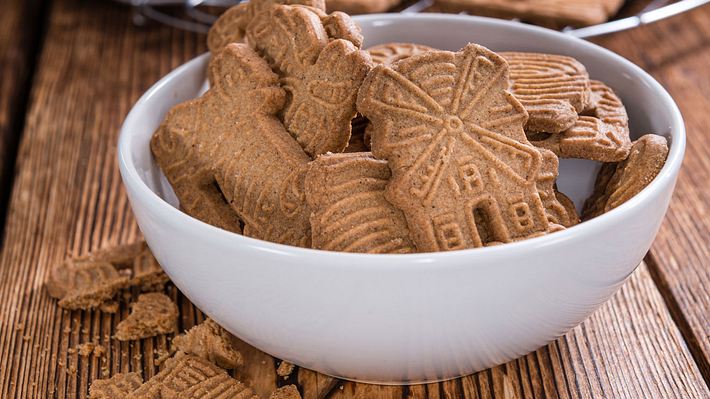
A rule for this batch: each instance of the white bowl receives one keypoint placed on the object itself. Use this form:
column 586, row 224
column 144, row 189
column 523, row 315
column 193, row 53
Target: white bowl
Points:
column 409, row 318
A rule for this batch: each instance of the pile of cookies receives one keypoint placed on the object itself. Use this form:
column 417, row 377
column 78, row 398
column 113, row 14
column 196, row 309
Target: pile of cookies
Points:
column 305, row 139
column 197, row 364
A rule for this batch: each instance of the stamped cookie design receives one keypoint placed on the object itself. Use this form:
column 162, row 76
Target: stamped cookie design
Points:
column 618, row 182
column 601, row 135
column 361, row 6
column 351, row 214
column 554, row 89
column 231, row 26
column 116, row 387
column 320, row 75
column 186, row 376
column 233, row 134
column 389, row 53
column 85, row 284
column 463, row 172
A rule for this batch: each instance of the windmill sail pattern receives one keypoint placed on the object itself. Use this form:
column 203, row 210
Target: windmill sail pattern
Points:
column 463, row 171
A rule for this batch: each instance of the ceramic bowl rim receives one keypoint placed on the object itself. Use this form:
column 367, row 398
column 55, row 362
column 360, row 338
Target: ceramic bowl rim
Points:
column 595, row 225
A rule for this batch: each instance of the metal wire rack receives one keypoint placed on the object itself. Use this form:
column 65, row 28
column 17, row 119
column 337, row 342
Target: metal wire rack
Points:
column 193, row 16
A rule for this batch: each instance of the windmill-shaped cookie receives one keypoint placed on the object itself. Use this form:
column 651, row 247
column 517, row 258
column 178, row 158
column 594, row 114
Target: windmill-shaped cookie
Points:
column 320, row 71
column 463, row 172
column 231, row 139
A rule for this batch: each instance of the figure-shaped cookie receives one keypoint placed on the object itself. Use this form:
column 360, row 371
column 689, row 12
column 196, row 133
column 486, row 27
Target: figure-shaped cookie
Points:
column 463, row 172
column 351, row 214
column 552, row 88
column 231, row 26
column 389, row 53
column 601, row 135
column 618, row 182
column 84, row 284
column 321, row 75
column 560, row 209
column 211, row 342
column 153, row 314
column 116, row 387
column 186, row 376
column 233, row 132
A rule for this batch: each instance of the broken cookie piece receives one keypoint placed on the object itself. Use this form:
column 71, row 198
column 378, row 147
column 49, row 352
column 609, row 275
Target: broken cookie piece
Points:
column 147, row 273
column 84, row 284
column 287, row 392
column 186, row 376
column 116, row 387
column 209, row 341
column 153, row 314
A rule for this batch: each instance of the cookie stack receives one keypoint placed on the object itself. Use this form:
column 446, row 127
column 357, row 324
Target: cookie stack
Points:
column 306, row 139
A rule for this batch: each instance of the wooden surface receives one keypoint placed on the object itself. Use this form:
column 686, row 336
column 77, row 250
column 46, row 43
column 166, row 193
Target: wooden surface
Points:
column 649, row 341
column 20, row 29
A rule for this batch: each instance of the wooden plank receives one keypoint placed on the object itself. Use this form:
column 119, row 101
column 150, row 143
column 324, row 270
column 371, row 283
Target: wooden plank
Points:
column 68, row 199
column 627, row 349
column 20, row 30
column 677, row 53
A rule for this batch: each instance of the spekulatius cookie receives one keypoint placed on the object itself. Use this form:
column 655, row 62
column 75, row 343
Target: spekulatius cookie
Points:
column 600, row 134
column 618, row 182
column 153, row 314
column 389, row 53
column 320, row 74
column 350, row 212
column 232, row 131
column 231, row 26
column 186, row 376
column 463, row 172
column 554, row 89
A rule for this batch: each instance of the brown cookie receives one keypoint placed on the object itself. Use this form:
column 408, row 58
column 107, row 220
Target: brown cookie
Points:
column 211, row 342
column 551, row 13
column 231, row 26
column 321, row 75
column 85, row 284
column 351, row 214
column 463, row 171
column 147, row 273
column 602, row 135
column 116, row 387
column 560, row 209
column 361, row 6
column 153, row 314
column 233, row 134
column 186, row 376
column 552, row 88
column 618, row 182
column 389, row 53
column 287, row 392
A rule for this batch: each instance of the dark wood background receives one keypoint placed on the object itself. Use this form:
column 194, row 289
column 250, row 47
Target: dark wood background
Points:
column 70, row 71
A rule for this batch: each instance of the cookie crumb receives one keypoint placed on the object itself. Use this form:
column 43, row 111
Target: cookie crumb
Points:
column 287, row 392
column 285, row 369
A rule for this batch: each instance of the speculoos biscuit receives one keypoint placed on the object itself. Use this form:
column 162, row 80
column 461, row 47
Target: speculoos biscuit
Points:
column 618, row 182
column 209, row 341
column 350, row 212
column 321, row 74
column 153, row 314
column 463, row 172
column 233, row 133
column 389, row 53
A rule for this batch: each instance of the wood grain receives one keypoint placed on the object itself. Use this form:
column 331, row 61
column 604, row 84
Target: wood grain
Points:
column 677, row 53
column 68, row 198
column 20, row 30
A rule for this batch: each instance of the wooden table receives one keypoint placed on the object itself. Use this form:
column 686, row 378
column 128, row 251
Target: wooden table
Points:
column 69, row 72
